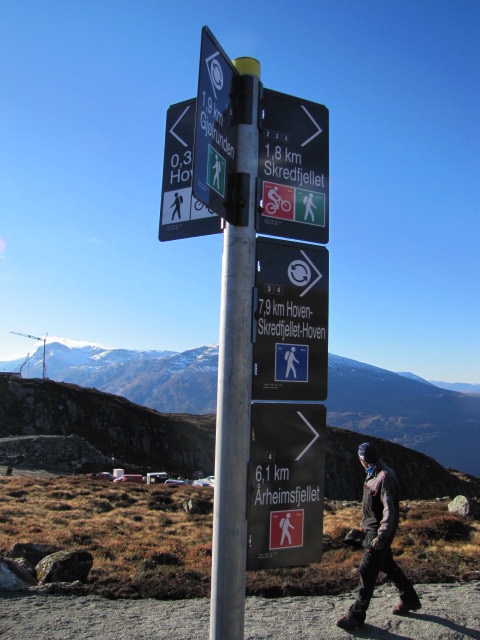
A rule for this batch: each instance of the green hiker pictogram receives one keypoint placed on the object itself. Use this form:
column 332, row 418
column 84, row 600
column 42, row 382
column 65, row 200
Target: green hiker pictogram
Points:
column 310, row 207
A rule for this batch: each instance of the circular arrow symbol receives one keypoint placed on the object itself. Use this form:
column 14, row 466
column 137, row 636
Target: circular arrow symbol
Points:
column 216, row 74
column 299, row 273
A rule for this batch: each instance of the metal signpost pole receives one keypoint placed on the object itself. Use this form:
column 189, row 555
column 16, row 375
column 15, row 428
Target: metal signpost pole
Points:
column 234, row 395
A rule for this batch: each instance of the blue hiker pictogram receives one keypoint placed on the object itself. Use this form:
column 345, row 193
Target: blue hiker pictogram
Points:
column 291, row 362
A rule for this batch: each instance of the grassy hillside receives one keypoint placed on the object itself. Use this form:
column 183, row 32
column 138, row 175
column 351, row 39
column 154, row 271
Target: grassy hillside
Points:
column 145, row 544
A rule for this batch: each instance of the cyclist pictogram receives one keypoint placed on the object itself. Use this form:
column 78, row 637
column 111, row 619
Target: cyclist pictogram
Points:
column 199, row 210
column 199, row 206
column 278, row 201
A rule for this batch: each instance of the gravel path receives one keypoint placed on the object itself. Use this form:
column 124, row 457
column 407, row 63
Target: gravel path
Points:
column 448, row 611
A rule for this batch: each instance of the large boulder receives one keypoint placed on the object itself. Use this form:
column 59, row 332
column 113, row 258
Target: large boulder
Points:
column 30, row 553
column 65, row 566
column 463, row 506
column 13, row 577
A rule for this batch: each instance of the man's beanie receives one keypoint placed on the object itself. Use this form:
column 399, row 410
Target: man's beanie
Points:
column 367, row 452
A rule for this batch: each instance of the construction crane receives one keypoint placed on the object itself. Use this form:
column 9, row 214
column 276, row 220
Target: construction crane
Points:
column 44, row 340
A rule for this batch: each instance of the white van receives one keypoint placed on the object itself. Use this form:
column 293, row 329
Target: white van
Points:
column 158, row 477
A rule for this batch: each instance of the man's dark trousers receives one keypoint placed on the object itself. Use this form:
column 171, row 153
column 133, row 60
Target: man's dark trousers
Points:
column 373, row 562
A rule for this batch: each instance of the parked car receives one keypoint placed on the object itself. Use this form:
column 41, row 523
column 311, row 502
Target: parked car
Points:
column 130, row 477
column 104, row 475
column 176, row 481
column 157, row 477
column 202, row 482
column 209, row 481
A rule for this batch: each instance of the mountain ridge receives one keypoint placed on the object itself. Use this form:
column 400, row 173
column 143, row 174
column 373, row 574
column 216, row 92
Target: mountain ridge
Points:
column 82, row 351
column 62, row 427
column 372, row 401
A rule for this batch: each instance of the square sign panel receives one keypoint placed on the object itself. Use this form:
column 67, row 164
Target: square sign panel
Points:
column 290, row 350
column 215, row 146
column 182, row 215
column 293, row 169
column 286, row 479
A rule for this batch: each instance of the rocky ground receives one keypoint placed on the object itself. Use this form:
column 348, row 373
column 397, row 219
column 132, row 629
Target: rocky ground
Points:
column 449, row 611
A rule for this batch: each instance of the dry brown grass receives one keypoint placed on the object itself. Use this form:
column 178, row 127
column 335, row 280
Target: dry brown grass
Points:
column 144, row 544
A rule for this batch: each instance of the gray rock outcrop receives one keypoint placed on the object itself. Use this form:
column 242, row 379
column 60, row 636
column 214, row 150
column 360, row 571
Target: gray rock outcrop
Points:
column 30, row 553
column 463, row 506
column 65, row 566
column 21, row 570
column 13, row 577
column 64, row 453
column 109, row 425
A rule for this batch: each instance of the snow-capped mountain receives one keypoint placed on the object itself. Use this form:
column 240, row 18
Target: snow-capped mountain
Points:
column 398, row 407
column 167, row 381
column 64, row 356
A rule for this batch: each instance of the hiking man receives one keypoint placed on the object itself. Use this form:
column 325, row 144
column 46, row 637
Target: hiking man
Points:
column 379, row 522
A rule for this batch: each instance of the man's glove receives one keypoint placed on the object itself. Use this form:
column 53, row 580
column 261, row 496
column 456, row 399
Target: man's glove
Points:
column 376, row 545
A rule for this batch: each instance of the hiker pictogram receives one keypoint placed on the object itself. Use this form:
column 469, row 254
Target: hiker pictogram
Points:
column 177, row 205
column 216, row 170
column 310, row 207
column 286, row 529
column 291, row 362
column 285, row 525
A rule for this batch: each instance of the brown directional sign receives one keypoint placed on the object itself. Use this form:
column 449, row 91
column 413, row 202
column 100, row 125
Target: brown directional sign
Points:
column 286, row 485
column 294, row 169
column 182, row 215
column 215, row 147
column 290, row 350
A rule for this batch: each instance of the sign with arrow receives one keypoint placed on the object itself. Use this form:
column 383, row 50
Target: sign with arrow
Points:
column 286, row 485
column 181, row 214
column 290, row 350
column 215, row 146
column 294, row 169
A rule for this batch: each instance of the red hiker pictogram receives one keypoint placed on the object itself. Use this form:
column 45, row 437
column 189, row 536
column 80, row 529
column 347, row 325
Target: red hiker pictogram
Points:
column 286, row 529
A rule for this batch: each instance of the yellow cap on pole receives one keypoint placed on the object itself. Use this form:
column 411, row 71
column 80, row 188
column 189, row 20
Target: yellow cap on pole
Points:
column 247, row 66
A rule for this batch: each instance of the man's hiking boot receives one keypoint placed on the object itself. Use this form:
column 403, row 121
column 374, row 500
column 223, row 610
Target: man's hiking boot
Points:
column 350, row 621
column 404, row 606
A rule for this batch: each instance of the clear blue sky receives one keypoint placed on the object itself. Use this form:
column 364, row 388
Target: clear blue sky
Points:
column 84, row 90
